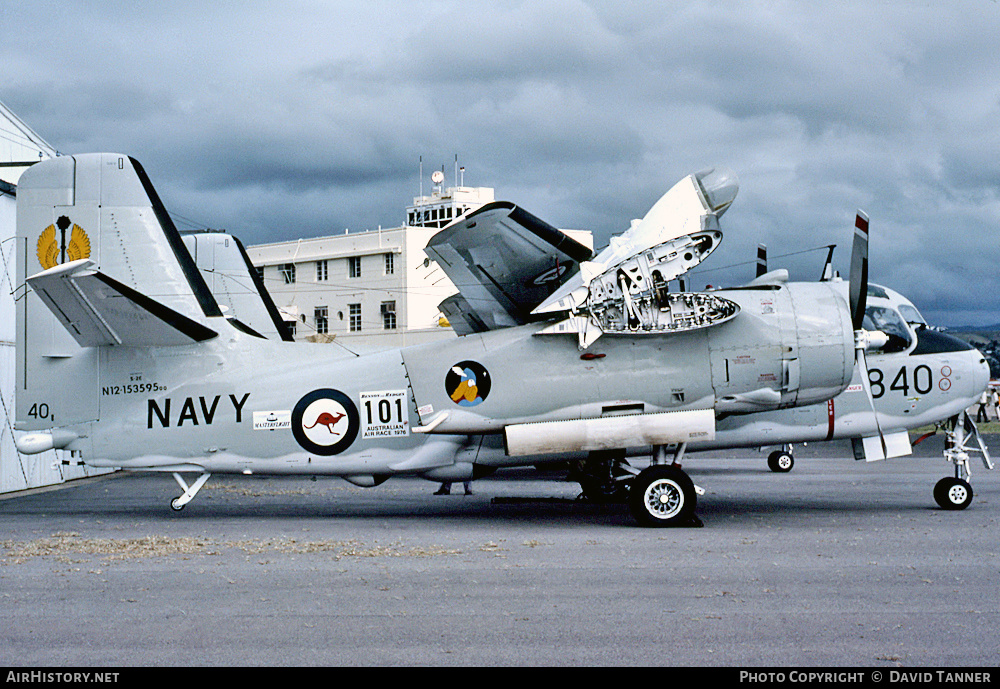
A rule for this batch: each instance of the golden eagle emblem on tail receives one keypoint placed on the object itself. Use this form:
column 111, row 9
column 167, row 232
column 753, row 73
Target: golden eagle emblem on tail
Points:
column 56, row 245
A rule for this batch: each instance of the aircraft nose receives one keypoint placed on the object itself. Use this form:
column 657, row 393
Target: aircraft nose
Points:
column 982, row 372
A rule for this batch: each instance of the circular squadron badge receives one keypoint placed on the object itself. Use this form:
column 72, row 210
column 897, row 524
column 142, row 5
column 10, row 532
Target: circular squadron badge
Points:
column 467, row 383
column 325, row 422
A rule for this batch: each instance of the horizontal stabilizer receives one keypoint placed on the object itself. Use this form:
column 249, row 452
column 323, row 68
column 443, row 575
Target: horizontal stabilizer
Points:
column 97, row 310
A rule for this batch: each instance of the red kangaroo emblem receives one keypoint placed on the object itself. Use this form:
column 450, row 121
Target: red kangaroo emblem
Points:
column 329, row 420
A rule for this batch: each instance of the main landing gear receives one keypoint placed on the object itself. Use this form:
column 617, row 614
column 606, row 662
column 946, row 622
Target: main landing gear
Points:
column 955, row 492
column 659, row 495
column 662, row 494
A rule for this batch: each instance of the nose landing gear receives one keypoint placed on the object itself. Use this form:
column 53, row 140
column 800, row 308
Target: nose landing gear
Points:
column 955, row 492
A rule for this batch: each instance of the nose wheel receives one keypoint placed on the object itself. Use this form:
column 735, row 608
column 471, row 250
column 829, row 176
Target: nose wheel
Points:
column 953, row 493
column 781, row 461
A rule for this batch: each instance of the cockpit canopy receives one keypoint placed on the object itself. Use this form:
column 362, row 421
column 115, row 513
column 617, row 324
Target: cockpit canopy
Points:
column 891, row 313
column 888, row 320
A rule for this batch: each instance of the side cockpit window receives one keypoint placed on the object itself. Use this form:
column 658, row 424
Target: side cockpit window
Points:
column 911, row 315
column 892, row 324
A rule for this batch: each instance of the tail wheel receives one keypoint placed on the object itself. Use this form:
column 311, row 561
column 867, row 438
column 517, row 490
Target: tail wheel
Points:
column 953, row 493
column 662, row 495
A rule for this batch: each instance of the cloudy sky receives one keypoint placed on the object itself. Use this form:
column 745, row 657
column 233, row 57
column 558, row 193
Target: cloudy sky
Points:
column 279, row 120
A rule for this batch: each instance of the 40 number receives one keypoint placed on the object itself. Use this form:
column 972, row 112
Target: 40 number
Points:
column 921, row 381
column 39, row 411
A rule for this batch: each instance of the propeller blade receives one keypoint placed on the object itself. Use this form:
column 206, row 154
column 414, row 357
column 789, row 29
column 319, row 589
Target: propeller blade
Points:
column 863, row 365
column 858, row 293
column 761, row 259
column 827, row 274
column 859, row 270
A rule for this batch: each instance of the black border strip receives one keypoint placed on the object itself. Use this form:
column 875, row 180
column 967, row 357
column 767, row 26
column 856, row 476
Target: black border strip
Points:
column 209, row 306
column 265, row 296
column 193, row 329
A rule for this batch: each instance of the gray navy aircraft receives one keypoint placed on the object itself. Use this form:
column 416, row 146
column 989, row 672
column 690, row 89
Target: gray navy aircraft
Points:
column 126, row 359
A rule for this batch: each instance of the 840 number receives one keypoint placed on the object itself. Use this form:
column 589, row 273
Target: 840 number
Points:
column 920, row 381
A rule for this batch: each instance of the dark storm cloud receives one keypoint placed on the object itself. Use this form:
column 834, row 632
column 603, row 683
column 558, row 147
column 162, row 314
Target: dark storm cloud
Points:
column 283, row 120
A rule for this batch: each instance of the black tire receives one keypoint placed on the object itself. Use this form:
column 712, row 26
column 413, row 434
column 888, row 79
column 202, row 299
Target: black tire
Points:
column 780, row 461
column 662, row 495
column 953, row 493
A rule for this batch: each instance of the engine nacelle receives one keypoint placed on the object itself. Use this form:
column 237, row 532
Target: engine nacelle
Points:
column 789, row 345
column 792, row 345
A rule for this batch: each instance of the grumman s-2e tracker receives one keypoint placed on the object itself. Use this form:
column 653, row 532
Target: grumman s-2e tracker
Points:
column 126, row 359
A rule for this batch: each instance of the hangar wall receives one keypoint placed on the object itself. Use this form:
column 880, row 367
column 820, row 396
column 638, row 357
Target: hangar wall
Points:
column 19, row 144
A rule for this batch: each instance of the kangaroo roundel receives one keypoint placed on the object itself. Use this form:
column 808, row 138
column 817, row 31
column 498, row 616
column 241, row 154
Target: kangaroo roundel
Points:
column 325, row 422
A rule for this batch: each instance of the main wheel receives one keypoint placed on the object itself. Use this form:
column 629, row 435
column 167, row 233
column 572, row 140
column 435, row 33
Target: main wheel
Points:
column 953, row 493
column 662, row 495
column 780, row 461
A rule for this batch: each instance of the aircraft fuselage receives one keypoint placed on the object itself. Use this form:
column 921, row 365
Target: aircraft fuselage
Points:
column 238, row 403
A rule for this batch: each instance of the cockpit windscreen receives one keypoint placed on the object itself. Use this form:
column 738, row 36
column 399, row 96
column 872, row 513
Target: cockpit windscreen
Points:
column 891, row 323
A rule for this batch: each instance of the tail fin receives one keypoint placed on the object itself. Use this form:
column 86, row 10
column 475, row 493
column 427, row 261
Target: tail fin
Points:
column 236, row 284
column 98, row 262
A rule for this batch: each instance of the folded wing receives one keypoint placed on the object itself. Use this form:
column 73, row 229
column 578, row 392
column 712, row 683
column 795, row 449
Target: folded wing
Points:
column 504, row 261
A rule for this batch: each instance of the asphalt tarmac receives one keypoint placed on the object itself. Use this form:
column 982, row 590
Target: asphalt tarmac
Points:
column 835, row 564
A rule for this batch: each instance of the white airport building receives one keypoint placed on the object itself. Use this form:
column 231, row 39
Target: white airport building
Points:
column 368, row 289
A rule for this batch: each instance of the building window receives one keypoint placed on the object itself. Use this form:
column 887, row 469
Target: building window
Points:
column 321, row 314
column 354, row 266
column 287, row 272
column 321, row 271
column 388, row 315
column 390, row 264
column 354, row 314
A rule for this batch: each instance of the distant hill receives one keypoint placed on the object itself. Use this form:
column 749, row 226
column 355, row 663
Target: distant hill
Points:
column 986, row 339
column 979, row 329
